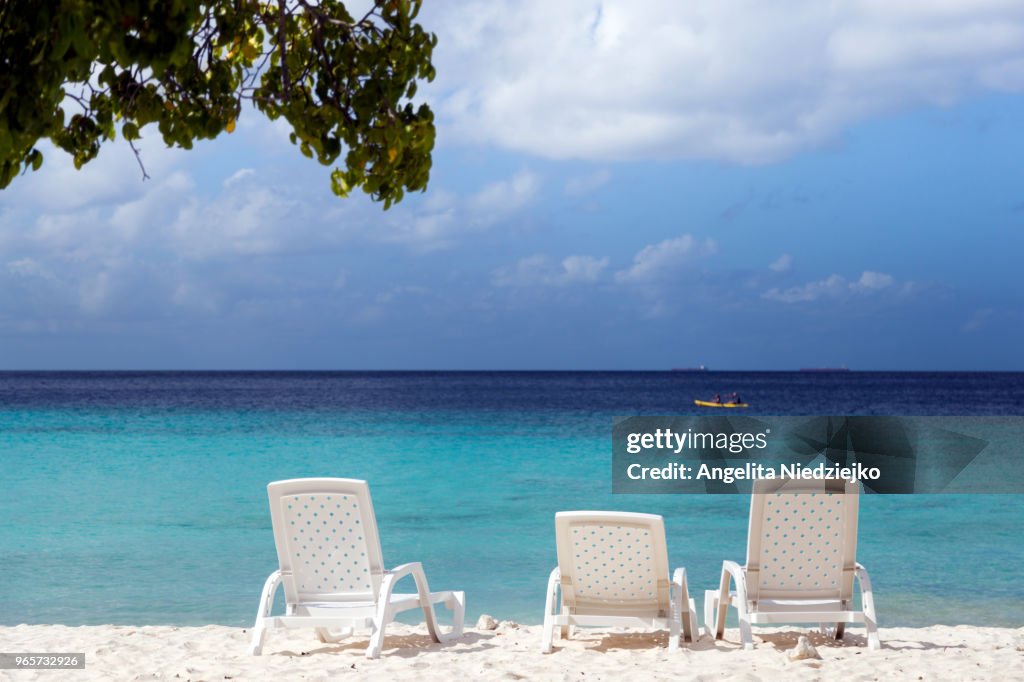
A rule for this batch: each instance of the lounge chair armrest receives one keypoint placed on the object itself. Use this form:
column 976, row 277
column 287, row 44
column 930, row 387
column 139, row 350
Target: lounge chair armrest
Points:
column 267, row 596
column 863, row 580
column 551, row 609
column 413, row 568
column 688, row 618
column 679, row 579
column 738, row 575
column 402, row 570
column 730, row 569
column 554, row 580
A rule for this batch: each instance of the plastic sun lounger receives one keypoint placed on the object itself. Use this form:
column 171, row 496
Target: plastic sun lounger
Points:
column 613, row 571
column 801, row 562
column 331, row 566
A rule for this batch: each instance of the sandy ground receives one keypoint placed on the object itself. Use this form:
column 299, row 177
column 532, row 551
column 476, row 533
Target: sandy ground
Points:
column 513, row 653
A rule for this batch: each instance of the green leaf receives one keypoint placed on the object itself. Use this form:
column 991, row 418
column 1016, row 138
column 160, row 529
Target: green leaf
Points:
column 344, row 91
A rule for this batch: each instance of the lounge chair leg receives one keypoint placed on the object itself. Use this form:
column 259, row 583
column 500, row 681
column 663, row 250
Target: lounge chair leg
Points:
column 840, row 630
column 710, row 607
column 673, row 631
column 548, row 635
column 259, row 629
column 259, row 633
column 380, row 621
column 376, row 640
column 682, row 610
column 868, row 603
column 457, row 605
column 746, row 636
column 723, row 604
column 873, row 642
column 549, row 613
column 872, row 627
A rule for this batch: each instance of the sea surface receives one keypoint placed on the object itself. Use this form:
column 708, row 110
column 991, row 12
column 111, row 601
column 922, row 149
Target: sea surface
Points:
column 140, row 497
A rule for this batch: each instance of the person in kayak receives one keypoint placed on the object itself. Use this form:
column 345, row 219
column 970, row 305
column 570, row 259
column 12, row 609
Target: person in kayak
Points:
column 717, row 399
column 735, row 399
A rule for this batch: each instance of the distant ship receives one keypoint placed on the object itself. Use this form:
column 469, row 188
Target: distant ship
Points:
column 698, row 368
column 844, row 368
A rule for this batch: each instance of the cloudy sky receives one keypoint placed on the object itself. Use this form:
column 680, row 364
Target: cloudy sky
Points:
column 620, row 185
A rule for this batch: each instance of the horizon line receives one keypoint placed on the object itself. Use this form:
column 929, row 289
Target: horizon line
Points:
column 805, row 370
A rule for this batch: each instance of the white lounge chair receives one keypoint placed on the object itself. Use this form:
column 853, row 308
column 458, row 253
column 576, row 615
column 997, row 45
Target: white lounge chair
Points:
column 801, row 562
column 613, row 571
column 332, row 570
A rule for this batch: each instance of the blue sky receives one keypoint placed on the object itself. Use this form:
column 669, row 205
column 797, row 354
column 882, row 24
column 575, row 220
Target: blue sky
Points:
column 731, row 185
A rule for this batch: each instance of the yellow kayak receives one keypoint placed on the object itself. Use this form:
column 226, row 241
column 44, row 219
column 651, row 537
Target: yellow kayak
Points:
column 708, row 403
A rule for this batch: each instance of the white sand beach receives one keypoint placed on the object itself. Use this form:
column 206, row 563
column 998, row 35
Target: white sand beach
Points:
column 512, row 653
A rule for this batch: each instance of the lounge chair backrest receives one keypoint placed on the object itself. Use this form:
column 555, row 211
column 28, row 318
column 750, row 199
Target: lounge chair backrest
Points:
column 326, row 536
column 612, row 561
column 803, row 539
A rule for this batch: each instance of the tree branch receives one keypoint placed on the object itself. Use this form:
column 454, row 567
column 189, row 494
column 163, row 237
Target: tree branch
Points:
column 138, row 159
column 282, row 41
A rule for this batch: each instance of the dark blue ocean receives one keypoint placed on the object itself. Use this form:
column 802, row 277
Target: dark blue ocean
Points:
column 139, row 497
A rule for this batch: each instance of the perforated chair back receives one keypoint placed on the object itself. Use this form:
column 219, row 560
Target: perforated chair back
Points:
column 803, row 540
column 613, row 562
column 328, row 549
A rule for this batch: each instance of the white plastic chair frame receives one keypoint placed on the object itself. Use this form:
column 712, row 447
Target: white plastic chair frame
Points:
column 801, row 562
column 613, row 571
column 332, row 569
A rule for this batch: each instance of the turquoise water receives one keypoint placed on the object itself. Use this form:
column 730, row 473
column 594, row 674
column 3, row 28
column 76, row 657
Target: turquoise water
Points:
column 157, row 513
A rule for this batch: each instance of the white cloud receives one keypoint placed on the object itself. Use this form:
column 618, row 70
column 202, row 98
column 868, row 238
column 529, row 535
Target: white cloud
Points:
column 530, row 271
column 255, row 217
column 430, row 226
column 872, row 281
column 505, row 196
column 247, row 222
column 114, row 175
column 239, row 176
column 28, row 267
column 181, row 245
column 392, row 294
column 167, row 249
column 94, row 291
column 832, row 287
column 978, row 320
column 538, row 270
column 659, row 260
column 585, row 184
column 583, row 268
column 65, row 232
column 741, row 81
column 443, row 216
column 196, row 296
column 161, row 200
column 782, row 263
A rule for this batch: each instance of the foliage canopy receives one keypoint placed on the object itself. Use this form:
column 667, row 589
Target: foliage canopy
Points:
column 78, row 72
